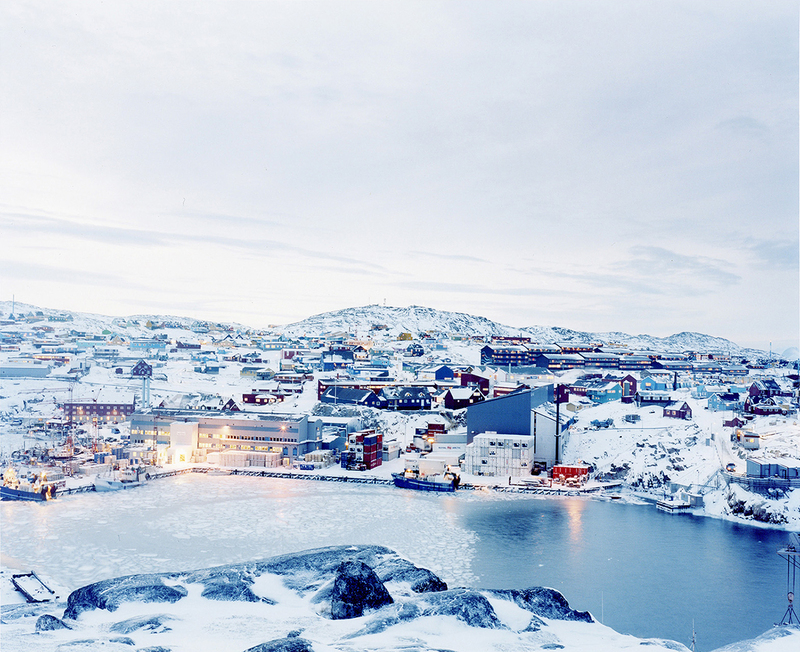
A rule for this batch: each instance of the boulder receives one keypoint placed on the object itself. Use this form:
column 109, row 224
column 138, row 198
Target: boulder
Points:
column 154, row 624
column 288, row 644
column 48, row 623
column 227, row 583
column 421, row 580
column 124, row 640
column 466, row 605
column 547, row 603
column 356, row 588
column 110, row 594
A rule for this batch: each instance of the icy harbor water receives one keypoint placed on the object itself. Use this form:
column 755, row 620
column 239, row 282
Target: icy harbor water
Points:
column 642, row 571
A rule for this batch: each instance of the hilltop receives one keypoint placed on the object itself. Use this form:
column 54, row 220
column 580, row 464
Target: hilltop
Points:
column 390, row 321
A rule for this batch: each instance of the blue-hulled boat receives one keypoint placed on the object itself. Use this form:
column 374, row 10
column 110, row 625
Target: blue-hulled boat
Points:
column 35, row 487
column 445, row 483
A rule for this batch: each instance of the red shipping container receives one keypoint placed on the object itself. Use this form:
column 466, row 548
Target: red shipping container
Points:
column 570, row 470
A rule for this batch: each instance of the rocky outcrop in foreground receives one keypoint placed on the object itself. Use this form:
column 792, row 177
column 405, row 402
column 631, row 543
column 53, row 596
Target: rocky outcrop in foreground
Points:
column 339, row 598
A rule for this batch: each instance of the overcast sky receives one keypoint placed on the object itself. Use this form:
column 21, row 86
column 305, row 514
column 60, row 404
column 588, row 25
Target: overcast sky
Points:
column 596, row 165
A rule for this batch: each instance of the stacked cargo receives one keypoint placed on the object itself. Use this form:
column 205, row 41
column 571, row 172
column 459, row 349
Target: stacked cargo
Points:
column 364, row 450
column 424, row 438
column 391, row 451
column 320, row 459
column 494, row 454
column 104, row 458
column 94, row 469
column 267, row 460
column 233, row 458
column 236, row 458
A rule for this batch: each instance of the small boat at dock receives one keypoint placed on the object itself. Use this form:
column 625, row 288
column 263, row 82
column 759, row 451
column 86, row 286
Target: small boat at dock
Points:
column 447, row 482
column 124, row 479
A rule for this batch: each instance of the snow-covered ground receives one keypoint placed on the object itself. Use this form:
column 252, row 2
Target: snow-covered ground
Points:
column 647, row 457
column 657, row 451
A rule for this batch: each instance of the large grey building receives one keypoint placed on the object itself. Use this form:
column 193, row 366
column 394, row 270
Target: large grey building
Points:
column 527, row 412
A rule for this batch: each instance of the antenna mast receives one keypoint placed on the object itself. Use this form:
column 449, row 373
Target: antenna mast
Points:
column 791, row 553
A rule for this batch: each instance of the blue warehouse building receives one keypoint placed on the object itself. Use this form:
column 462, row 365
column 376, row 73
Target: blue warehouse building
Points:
column 528, row 412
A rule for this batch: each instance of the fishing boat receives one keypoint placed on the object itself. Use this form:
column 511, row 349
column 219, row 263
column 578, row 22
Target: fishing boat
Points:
column 124, row 479
column 447, row 482
column 34, row 486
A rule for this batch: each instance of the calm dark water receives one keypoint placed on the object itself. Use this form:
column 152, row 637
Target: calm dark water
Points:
column 640, row 570
column 637, row 569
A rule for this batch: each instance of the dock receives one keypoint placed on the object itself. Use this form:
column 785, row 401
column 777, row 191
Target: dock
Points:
column 672, row 506
column 516, row 488
column 32, row 587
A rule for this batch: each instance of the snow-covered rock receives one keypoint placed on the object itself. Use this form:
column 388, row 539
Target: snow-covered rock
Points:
column 191, row 611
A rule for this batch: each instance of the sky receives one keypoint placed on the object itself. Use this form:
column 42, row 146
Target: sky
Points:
column 603, row 165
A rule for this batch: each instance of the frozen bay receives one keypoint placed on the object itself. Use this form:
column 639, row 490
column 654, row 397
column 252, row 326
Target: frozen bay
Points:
column 642, row 571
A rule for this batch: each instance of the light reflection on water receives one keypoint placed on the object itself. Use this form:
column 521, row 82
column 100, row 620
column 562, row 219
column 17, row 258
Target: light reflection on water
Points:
column 655, row 573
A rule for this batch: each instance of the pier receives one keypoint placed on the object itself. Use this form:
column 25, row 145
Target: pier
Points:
column 534, row 490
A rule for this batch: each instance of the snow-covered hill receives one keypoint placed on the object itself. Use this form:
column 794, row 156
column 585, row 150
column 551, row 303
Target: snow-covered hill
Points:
column 391, row 321
column 413, row 319
column 130, row 325
column 686, row 341
column 418, row 319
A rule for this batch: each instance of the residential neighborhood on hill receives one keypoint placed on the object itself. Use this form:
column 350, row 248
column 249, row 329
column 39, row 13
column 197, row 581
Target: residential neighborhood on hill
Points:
column 441, row 390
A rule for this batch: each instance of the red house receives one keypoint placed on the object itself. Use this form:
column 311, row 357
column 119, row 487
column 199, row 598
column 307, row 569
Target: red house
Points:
column 675, row 411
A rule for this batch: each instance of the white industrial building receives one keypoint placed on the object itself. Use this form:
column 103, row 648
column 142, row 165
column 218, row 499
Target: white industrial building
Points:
column 494, row 454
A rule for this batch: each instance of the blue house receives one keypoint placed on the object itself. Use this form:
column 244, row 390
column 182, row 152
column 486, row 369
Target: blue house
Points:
column 650, row 384
column 406, row 398
column 603, row 393
column 441, row 372
column 444, row 373
column 728, row 401
column 337, row 359
column 349, row 396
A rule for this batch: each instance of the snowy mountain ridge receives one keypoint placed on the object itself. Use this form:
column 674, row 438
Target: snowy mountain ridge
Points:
column 418, row 319
column 391, row 321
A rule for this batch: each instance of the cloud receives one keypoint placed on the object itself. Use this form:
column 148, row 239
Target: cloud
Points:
column 466, row 288
column 776, row 254
column 453, row 257
column 32, row 225
column 670, row 266
column 63, row 275
column 745, row 126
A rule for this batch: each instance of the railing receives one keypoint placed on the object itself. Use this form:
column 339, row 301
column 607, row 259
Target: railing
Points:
column 371, row 480
column 319, row 478
column 168, row 474
column 154, row 475
column 76, row 490
column 763, row 485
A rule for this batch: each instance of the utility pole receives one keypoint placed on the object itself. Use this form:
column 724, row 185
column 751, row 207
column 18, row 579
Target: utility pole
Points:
column 557, row 398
